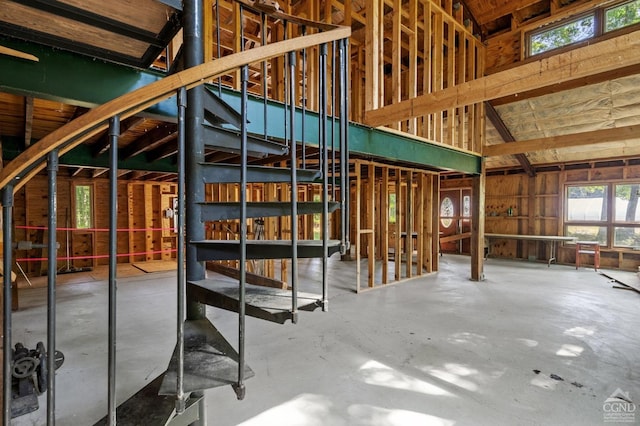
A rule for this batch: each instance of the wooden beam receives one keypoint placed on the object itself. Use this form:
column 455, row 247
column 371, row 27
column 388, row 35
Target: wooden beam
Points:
column 565, row 141
column 507, row 136
column 251, row 278
column 618, row 52
column 501, row 8
column 28, row 120
column 18, row 54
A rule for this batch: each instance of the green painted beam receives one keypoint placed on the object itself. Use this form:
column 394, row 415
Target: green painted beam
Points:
column 79, row 80
column 71, row 78
column 81, row 156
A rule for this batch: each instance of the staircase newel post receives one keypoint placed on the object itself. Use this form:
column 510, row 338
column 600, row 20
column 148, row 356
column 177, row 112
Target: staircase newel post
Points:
column 182, row 104
column 52, row 270
column 114, row 134
column 7, row 226
column 193, row 23
column 294, row 187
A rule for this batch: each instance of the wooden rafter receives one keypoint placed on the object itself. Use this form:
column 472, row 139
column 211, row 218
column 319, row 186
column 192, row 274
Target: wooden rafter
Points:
column 507, row 136
column 565, row 141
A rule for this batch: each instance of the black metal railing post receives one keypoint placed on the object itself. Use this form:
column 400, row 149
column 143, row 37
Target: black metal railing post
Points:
column 114, row 134
column 181, row 282
column 239, row 387
column 7, row 227
column 322, row 143
column 344, row 146
column 52, row 269
column 294, row 187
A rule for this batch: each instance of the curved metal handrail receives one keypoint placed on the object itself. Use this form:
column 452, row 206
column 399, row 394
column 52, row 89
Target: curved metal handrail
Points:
column 30, row 162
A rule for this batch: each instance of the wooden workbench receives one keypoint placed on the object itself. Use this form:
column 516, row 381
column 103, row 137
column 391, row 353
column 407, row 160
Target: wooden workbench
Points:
column 550, row 240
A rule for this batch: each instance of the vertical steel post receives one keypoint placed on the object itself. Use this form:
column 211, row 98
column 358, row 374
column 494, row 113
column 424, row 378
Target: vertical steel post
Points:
column 194, row 155
column 239, row 386
column 322, row 142
column 294, row 188
column 265, row 81
column 7, row 207
column 181, row 283
column 114, row 133
column 333, row 120
column 52, row 269
column 218, row 51
column 303, row 101
column 194, row 55
column 344, row 149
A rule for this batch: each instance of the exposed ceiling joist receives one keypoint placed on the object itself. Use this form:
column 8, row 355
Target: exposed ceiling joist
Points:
column 565, row 141
column 619, row 52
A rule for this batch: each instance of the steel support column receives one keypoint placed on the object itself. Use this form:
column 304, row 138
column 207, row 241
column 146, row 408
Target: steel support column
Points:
column 194, row 55
column 7, row 207
column 52, row 270
column 114, row 134
column 193, row 27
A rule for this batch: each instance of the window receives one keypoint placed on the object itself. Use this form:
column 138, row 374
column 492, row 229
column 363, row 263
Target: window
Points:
column 587, row 26
column 604, row 212
column 622, row 15
column 83, row 206
column 627, row 216
column 447, row 211
column 562, row 35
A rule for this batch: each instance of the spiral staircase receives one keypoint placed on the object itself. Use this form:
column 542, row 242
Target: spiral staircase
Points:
column 203, row 358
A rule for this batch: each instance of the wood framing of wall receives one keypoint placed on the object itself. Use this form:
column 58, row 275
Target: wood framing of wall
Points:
column 537, row 208
column 146, row 229
column 394, row 234
column 428, row 47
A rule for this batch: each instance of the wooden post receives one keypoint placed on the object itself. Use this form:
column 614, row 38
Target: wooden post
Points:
column 384, row 223
column 435, row 215
column 358, row 215
column 398, row 240
column 408, row 218
column 373, row 47
column 477, row 225
column 371, row 249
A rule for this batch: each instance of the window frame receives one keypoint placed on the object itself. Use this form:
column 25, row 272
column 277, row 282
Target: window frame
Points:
column 597, row 25
column 610, row 223
column 599, row 14
column 74, row 206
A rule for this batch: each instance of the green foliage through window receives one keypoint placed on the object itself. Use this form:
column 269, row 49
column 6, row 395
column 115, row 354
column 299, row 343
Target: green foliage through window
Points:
column 564, row 35
column 392, row 208
column 622, row 16
column 83, row 206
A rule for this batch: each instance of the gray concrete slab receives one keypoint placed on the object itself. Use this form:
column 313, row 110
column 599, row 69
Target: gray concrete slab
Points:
column 531, row 345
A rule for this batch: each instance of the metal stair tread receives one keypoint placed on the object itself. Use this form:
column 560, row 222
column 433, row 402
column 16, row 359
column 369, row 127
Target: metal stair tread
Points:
column 209, row 360
column 265, row 303
column 231, row 210
column 230, row 173
column 261, row 249
column 229, row 140
column 147, row 404
column 218, row 111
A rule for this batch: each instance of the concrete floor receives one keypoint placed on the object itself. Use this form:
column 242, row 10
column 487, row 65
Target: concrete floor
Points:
column 436, row 350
